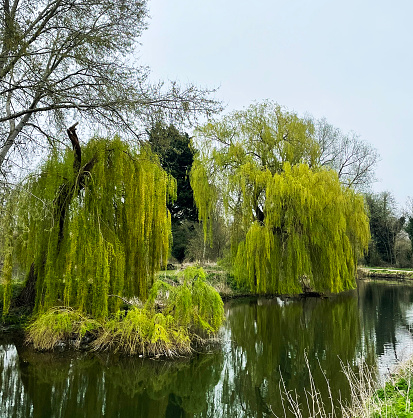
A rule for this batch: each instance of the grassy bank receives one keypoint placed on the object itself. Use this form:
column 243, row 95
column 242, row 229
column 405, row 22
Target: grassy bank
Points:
column 217, row 277
column 369, row 398
column 385, row 273
column 391, row 399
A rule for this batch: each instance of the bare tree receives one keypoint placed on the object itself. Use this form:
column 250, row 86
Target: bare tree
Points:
column 352, row 158
column 61, row 59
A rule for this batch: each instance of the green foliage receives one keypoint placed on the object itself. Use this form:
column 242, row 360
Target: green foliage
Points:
column 172, row 318
column 195, row 305
column 57, row 325
column 395, row 399
column 6, row 255
column 176, row 157
column 6, row 277
column 94, row 231
column 384, row 227
column 292, row 221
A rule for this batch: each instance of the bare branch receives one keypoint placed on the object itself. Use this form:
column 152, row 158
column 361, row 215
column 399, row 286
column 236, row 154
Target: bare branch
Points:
column 65, row 59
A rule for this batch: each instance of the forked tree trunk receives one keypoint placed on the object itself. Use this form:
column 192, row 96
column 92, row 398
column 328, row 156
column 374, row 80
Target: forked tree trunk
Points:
column 64, row 196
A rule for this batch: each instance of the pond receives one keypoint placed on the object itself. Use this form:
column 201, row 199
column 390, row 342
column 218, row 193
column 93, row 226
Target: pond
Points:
column 264, row 339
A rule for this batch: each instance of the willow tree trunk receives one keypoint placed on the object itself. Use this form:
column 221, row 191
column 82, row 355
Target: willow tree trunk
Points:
column 64, row 196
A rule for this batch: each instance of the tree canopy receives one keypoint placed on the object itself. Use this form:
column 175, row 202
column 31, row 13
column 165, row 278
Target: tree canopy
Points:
column 66, row 59
column 176, row 157
column 353, row 159
column 294, row 225
column 90, row 223
column 385, row 225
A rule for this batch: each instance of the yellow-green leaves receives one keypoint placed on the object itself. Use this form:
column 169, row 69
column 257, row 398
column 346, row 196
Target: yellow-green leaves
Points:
column 294, row 222
column 114, row 233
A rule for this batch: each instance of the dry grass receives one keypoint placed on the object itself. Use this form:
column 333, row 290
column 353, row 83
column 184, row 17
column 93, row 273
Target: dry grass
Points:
column 314, row 405
column 367, row 398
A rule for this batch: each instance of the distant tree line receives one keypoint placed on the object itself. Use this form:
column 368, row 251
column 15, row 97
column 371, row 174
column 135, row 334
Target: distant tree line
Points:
column 391, row 232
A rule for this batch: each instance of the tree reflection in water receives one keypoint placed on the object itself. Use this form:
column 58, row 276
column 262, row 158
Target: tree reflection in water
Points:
column 266, row 339
column 84, row 385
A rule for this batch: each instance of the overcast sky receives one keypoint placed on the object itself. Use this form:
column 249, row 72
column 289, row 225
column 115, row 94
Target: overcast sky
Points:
column 349, row 61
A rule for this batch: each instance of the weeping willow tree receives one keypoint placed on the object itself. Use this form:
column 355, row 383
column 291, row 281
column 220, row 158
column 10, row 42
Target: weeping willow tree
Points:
column 91, row 223
column 295, row 227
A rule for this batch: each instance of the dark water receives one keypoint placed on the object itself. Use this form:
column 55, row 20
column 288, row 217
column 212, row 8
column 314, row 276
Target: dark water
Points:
column 264, row 339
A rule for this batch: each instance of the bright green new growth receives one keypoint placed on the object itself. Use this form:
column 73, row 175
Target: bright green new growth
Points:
column 195, row 305
column 294, row 226
column 59, row 324
column 173, row 316
column 7, row 250
column 171, row 319
column 93, row 228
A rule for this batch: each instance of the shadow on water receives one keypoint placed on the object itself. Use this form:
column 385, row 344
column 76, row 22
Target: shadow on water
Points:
column 264, row 340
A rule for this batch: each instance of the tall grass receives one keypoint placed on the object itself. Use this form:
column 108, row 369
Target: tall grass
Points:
column 59, row 324
column 141, row 332
column 314, row 405
column 368, row 399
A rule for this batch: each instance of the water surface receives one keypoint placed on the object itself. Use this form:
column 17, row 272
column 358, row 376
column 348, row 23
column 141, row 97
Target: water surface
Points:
column 264, row 340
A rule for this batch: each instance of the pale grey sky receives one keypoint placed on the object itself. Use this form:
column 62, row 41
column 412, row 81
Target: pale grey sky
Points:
column 350, row 61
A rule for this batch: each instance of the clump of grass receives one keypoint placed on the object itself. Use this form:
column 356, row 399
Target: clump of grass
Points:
column 57, row 325
column 138, row 331
column 363, row 386
column 367, row 398
column 394, row 399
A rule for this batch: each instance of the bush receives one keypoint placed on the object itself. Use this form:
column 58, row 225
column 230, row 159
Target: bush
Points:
column 57, row 325
column 140, row 332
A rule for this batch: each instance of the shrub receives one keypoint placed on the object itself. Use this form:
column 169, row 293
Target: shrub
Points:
column 140, row 332
column 57, row 325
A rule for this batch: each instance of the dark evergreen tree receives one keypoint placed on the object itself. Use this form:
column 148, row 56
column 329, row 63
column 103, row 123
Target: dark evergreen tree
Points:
column 176, row 157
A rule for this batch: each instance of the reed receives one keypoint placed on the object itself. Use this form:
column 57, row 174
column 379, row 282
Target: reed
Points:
column 368, row 398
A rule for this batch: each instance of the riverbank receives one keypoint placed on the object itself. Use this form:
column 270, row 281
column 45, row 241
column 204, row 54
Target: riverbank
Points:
column 385, row 273
column 369, row 399
column 226, row 285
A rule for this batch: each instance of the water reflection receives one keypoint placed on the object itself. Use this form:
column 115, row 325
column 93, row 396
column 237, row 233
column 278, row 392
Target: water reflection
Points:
column 272, row 339
column 265, row 339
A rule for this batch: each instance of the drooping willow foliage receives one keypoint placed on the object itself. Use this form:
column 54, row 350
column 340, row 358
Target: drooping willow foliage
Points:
column 173, row 317
column 93, row 223
column 294, row 226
